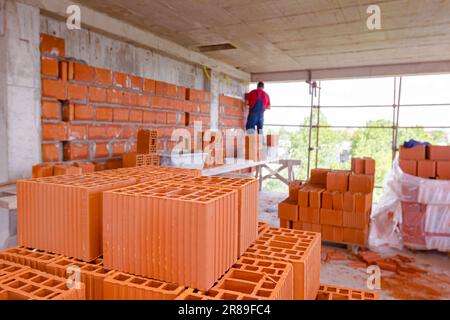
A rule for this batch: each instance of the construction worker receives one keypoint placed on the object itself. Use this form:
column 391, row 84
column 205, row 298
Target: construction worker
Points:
column 258, row 101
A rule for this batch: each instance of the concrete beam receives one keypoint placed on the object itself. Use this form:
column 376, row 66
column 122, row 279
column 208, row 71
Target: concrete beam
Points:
column 438, row 67
column 105, row 24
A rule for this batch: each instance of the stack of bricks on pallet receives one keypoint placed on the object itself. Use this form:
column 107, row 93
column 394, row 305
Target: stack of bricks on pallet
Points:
column 250, row 279
column 336, row 203
column 427, row 162
column 94, row 114
column 23, row 283
column 147, row 147
column 248, row 202
column 300, row 248
column 156, row 240
column 327, row 292
column 177, row 233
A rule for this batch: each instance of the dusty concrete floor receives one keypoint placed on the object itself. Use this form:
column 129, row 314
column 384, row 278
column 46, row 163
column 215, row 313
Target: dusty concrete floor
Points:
column 348, row 271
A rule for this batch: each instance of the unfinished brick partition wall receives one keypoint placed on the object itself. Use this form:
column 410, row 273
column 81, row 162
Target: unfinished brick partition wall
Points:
column 94, row 114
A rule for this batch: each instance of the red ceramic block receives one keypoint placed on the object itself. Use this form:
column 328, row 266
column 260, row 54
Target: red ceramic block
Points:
column 439, row 153
column 370, row 165
column 32, row 284
column 426, row 169
column 409, row 167
column 361, row 183
column 42, row 170
column 288, row 210
column 315, row 199
column 349, row 202
column 356, row 220
column 8, row 268
column 200, row 221
column 86, row 167
column 337, row 182
column 294, row 187
column 309, row 215
column 92, row 274
column 301, row 248
column 356, row 236
column 60, row 170
column 49, row 67
column 327, row 200
column 122, row 286
column 332, row 233
column 327, row 292
column 319, row 176
column 443, row 170
column 83, row 72
column 362, row 202
column 331, row 217
column 147, row 141
column 56, row 89
column 358, row 166
column 338, row 201
column 413, row 154
column 103, row 77
column 52, row 45
column 303, row 197
column 51, row 152
column 63, row 214
column 286, row 224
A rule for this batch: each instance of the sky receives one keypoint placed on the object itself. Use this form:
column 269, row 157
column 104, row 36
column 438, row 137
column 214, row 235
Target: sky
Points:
column 430, row 89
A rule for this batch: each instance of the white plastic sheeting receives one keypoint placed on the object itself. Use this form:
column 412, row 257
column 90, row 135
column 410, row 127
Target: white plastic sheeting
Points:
column 429, row 204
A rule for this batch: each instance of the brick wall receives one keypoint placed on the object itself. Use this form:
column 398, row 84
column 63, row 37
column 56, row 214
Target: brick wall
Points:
column 232, row 113
column 94, row 114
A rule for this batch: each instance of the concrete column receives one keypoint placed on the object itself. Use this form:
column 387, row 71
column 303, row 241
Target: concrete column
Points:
column 20, row 92
column 212, row 85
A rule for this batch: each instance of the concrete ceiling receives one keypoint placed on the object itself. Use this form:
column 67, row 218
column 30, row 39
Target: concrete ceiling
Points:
column 285, row 35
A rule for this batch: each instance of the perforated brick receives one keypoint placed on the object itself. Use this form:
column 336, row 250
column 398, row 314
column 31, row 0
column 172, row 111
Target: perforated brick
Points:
column 63, row 214
column 92, row 274
column 327, row 292
column 36, row 259
column 301, row 248
column 121, row 286
column 32, row 284
column 172, row 232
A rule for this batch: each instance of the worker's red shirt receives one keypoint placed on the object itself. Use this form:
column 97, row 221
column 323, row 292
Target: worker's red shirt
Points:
column 254, row 95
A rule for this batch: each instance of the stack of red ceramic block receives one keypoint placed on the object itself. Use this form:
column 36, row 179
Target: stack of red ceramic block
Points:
column 336, row 203
column 64, row 214
column 154, row 233
column 428, row 163
column 146, row 155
